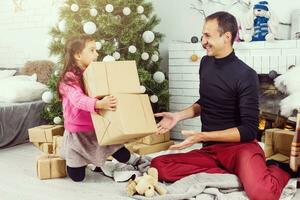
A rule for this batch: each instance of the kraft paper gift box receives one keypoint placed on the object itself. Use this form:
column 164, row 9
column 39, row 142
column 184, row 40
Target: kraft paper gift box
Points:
column 132, row 119
column 44, row 133
column 155, row 139
column 143, row 149
column 105, row 78
column 278, row 144
column 44, row 147
column 50, row 166
column 57, row 143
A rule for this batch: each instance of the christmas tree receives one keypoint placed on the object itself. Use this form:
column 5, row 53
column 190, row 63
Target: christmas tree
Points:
column 123, row 30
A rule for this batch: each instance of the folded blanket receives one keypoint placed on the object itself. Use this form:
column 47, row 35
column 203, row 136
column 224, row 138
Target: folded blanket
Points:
column 206, row 186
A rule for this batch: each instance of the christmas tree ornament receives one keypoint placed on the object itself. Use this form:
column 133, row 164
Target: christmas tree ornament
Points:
column 132, row 49
column 154, row 57
column 47, row 96
column 154, row 98
column 48, row 109
column 74, row 7
column 143, row 89
column 98, row 45
column 140, row 9
column 56, row 72
column 194, row 57
column 89, row 28
column 145, row 56
column 148, row 36
column 109, row 8
column 116, row 55
column 126, row 11
column 93, row 12
column 159, row 77
column 108, row 58
column 194, row 39
column 62, row 26
column 57, row 120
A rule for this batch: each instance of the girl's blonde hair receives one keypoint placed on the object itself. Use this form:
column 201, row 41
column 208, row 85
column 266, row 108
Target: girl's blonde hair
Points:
column 73, row 46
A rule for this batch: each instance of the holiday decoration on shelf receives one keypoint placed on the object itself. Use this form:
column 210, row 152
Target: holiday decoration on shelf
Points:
column 122, row 30
column 194, row 58
column 261, row 24
column 194, row 39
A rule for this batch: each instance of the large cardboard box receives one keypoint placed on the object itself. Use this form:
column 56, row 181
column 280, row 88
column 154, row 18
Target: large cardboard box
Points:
column 105, row 78
column 44, row 133
column 132, row 119
column 50, row 166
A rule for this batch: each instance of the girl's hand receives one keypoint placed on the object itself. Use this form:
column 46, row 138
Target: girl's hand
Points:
column 107, row 103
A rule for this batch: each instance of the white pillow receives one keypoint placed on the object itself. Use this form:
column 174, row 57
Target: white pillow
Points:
column 33, row 77
column 6, row 73
column 13, row 91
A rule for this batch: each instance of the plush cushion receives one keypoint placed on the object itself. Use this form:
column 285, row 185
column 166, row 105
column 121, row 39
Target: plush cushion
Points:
column 43, row 69
column 14, row 90
column 6, row 73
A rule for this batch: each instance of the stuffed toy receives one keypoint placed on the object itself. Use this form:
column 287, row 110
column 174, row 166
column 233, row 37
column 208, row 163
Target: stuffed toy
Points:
column 146, row 185
column 261, row 24
column 43, row 69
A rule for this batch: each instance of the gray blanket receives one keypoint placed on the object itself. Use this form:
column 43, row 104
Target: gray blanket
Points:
column 16, row 119
column 212, row 187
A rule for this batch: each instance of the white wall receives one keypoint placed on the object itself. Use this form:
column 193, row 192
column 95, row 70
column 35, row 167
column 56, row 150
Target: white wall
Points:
column 24, row 34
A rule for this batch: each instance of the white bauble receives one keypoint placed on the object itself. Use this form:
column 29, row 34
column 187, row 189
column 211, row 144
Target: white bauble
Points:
column 89, row 28
column 116, row 55
column 108, row 58
column 98, row 45
column 132, row 49
column 48, row 109
column 47, row 97
column 156, row 52
column 126, row 11
column 154, row 98
column 109, row 8
column 143, row 89
column 159, row 77
column 74, row 7
column 62, row 26
column 145, row 56
column 56, row 72
column 148, row 36
column 154, row 57
column 140, row 9
column 57, row 120
column 93, row 12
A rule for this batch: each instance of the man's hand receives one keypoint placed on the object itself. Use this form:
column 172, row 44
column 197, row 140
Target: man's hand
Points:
column 167, row 123
column 193, row 138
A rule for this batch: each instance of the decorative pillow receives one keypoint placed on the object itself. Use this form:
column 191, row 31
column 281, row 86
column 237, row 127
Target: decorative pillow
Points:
column 43, row 69
column 6, row 73
column 13, row 91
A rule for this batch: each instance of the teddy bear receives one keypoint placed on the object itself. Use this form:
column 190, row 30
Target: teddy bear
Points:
column 261, row 24
column 146, row 185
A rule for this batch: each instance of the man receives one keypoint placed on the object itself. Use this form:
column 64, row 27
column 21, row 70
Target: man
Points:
column 229, row 111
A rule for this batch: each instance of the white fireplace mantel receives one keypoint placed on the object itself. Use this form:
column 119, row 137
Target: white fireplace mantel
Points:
column 183, row 72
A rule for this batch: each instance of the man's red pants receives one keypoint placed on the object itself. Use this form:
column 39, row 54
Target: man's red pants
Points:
column 246, row 160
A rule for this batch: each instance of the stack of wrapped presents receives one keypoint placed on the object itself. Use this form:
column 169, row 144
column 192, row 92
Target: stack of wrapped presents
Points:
column 133, row 118
column 48, row 138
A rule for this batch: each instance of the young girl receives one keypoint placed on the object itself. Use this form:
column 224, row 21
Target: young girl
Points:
column 80, row 146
